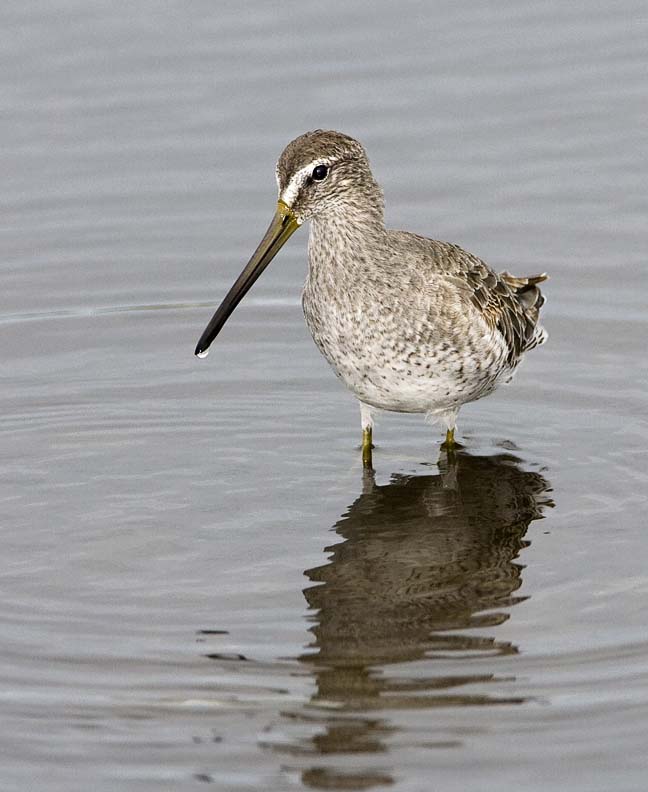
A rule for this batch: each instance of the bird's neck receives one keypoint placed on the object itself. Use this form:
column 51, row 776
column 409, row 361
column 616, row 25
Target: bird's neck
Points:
column 344, row 240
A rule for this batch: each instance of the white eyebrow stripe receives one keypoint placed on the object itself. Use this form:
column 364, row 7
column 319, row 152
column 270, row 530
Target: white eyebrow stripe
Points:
column 291, row 190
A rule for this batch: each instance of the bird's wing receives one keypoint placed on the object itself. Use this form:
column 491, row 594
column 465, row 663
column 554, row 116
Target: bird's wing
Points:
column 508, row 304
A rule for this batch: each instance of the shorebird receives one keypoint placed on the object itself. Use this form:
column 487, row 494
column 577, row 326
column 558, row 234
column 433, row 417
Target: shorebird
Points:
column 409, row 324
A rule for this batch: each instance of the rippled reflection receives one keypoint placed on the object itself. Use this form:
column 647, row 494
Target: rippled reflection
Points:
column 422, row 560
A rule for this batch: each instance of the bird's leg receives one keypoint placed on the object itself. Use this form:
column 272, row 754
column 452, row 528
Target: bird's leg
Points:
column 366, row 420
column 450, row 446
column 367, row 446
column 449, row 418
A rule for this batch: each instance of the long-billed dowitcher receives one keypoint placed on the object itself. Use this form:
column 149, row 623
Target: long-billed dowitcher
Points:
column 408, row 324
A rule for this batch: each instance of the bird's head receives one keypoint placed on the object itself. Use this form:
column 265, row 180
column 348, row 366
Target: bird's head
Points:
column 319, row 173
column 326, row 172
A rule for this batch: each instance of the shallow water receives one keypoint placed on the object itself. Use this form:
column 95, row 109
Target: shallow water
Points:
column 199, row 584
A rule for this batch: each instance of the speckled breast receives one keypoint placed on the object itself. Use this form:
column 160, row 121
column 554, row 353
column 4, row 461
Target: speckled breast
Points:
column 389, row 357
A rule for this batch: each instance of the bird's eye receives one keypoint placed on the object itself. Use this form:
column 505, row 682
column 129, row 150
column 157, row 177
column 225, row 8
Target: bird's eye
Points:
column 320, row 172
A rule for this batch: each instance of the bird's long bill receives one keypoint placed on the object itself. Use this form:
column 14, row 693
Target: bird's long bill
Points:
column 283, row 225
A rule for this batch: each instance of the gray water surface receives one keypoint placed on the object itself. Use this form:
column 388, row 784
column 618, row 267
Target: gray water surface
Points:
column 199, row 583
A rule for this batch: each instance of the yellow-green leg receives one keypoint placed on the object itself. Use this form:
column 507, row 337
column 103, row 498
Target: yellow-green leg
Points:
column 367, row 445
column 450, row 446
column 366, row 422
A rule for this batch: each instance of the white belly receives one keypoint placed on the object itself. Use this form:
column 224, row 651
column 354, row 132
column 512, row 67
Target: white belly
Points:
column 399, row 388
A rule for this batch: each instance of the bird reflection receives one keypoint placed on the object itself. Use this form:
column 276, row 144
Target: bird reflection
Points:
column 422, row 559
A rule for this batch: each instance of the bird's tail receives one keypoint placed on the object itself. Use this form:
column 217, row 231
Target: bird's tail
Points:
column 531, row 299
